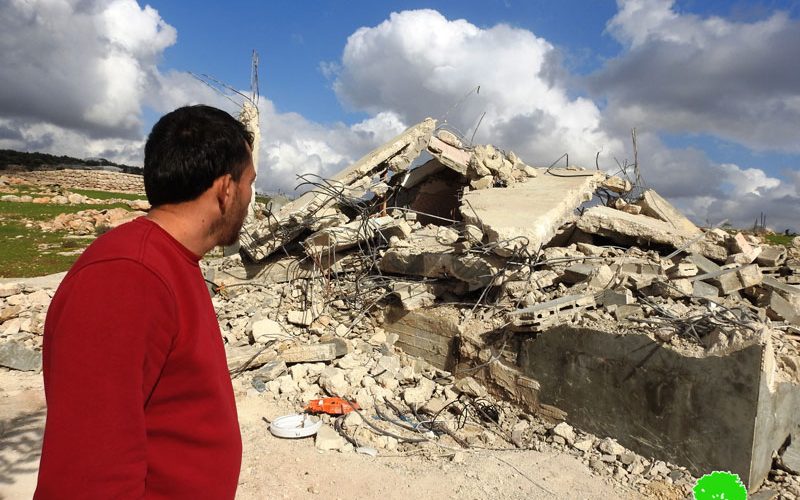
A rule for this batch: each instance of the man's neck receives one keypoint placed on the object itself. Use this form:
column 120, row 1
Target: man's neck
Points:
column 186, row 223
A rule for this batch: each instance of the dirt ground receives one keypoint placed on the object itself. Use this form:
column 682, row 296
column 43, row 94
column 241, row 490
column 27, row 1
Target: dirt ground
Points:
column 277, row 468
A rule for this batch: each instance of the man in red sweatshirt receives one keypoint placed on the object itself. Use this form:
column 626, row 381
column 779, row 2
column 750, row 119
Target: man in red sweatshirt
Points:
column 139, row 400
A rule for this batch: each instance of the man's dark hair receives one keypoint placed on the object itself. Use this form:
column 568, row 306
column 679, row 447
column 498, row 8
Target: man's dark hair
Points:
column 188, row 149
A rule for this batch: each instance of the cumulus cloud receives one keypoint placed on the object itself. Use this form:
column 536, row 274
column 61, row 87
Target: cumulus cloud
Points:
column 80, row 65
column 685, row 73
column 418, row 63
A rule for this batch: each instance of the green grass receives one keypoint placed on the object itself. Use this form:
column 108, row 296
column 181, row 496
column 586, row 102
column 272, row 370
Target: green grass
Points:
column 27, row 252
column 779, row 239
column 106, row 195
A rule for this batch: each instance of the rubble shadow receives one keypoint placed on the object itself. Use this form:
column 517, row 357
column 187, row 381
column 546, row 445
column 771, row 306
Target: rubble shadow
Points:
column 21, row 445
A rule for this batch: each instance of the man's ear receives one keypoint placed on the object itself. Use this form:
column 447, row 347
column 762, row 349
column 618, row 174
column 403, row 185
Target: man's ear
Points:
column 223, row 191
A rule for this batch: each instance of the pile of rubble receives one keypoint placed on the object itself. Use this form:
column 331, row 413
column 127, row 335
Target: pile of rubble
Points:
column 482, row 265
column 464, row 300
column 22, row 314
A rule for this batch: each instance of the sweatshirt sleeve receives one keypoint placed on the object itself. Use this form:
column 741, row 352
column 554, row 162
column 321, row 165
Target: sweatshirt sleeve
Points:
column 107, row 335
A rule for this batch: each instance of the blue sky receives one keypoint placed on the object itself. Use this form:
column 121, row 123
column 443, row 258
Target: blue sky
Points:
column 712, row 87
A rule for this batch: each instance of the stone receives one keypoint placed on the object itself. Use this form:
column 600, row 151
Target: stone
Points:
column 566, row 431
column 267, row 330
column 771, row 256
column 610, row 447
column 446, row 236
column 18, row 357
column 473, row 234
column 617, row 184
column 325, row 351
column 8, row 289
column 413, row 295
column 270, row 371
column 470, row 387
column 10, row 312
column 683, row 269
column 302, row 318
column 584, row 445
column 627, row 458
column 333, row 380
column 390, row 364
column 419, row 395
column 328, row 439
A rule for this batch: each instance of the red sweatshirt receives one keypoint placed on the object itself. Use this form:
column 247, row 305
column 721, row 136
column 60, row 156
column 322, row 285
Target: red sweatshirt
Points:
column 139, row 400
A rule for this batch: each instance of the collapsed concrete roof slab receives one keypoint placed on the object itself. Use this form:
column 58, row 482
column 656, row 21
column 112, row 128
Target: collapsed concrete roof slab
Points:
column 264, row 237
column 616, row 224
column 528, row 214
column 450, row 156
column 654, row 205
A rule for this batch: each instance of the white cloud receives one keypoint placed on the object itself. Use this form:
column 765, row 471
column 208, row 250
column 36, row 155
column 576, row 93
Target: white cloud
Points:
column 689, row 74
column 418, row 64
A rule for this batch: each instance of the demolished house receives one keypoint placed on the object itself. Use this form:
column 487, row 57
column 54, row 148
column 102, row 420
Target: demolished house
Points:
column 571, row 293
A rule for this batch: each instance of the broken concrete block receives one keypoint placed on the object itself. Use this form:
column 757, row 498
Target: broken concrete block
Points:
column 546, row 314
column 743, row 259
column 327, row 439
column 739, row 244
column 623, row 205
column 302, row 318
column 601, row 277
column 780, row 309
column 701, row 289
column 399, row 228
column 616, row 298
column 450, row 156
column 625, row 228
column 577, row 273
column 333, row 380
column 419, row 395
column 473, row 234
column 475, row 270
column 527, row 215
column 339, row 238
column 270, row 371
column 470, row 387
column 616, row 184
column 446, row 236
column 703, row 264
column 732, row 280
column 413, row 295
column 682, row 270
column 18, row 357
column 482, row 182
column 449, row 138
column 566, row 431
column 654, row 205
column 772, row 256
column 315, row 352
column 266, row 330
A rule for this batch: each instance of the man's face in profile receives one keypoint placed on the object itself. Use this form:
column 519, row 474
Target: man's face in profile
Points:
column 243, row 191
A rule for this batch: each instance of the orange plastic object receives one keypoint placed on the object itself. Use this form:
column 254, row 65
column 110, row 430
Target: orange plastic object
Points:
column 331, row 406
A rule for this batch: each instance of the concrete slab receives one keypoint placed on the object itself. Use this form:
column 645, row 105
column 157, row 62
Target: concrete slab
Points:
column 654, row 205
column 528, row 214
column 673, row 405
column 642, row 230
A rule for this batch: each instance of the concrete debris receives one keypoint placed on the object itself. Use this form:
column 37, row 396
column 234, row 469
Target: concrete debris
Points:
column 467, row 286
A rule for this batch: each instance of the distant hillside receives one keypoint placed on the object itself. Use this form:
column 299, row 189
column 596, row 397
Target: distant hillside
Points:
column 15, row 160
